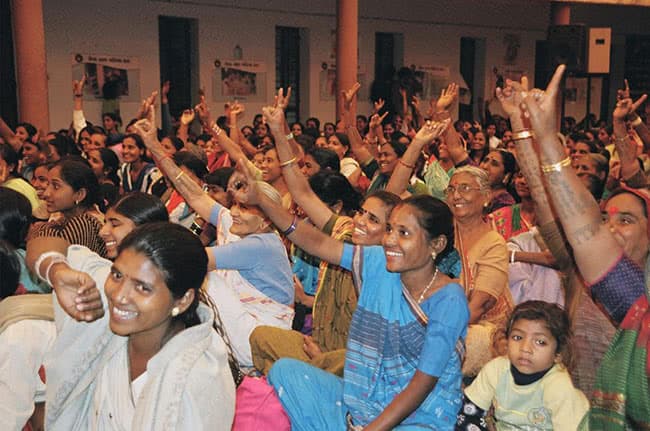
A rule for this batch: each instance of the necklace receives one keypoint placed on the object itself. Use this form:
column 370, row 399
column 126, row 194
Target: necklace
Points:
column 426, row 289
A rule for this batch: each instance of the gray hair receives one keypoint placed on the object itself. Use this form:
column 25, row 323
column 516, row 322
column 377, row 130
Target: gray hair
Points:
column 479, row 175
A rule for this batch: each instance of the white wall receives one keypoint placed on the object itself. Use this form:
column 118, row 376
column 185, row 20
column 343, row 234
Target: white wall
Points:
column 432, row 32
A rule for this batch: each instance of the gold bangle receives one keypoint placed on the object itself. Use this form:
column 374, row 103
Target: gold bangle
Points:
column 216, row 129
column 636, row 122
column 180, row 174
column 524, row 134
column 288, row 162
column 556, row 167
column 403, row 163
column 289, row 136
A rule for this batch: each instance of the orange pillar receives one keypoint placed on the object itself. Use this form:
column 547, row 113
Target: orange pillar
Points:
column 560, row 13
column 31, row 67
column 347, row 30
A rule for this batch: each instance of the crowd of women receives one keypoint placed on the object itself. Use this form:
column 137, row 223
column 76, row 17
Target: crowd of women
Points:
column 402, row 271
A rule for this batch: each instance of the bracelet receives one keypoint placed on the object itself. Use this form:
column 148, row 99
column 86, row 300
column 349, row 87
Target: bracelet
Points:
column 41, row 259
column 288, row 162
column 291, row 227
column 180, row 174
column 636, row 122
column 53, row 261
column 512, row 256
column 289, row 136
column 216, row 129
column 403, row 163
column 556, row 167
column 524, row 134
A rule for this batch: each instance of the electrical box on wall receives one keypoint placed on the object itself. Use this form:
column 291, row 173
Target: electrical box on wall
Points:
column 600, row 43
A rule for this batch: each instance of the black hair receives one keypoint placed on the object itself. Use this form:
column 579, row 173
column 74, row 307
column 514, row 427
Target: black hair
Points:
column 191, row 162
column 138, row 140
column 79, row 175
column 398, row 147
column 141, row 208
column 64, row 145
column 10, row 156
column 331, row 187
column 30, row 129
column 556, row 320
column 296, row 123
column 177, row 142
column 311, row 131
column 329, row 124
column 219, row 177
column 326, row 158
column 305, row 141
column 435, row 218
column 315, row 120
column 113, row 116
column 203, row 137
column 111, row 163
column 15, row 217
column 9, row 268
column 389, row 199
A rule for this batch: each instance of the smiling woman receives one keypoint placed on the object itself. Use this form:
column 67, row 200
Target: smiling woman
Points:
column 157, row 324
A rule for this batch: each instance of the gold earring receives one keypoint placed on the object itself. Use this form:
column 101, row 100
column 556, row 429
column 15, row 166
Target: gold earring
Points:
column 175, row 311
column 434, row 255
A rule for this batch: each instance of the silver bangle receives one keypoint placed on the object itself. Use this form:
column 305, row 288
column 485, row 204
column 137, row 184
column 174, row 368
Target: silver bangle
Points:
column 512, row 256
column 41, row 259
column 290, row 136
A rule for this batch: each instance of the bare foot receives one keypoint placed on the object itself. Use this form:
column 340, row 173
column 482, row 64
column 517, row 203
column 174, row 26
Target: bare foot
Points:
column 310, row 347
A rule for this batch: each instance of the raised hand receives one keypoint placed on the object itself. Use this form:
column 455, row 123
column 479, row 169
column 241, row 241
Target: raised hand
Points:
column 376, row 120
column 78, row 87
column 623, row 93
column 415, row 102
column 274, row 117
column 378, row 105
column 187, row 116
column 447, row 97
column 203, row 111
column 146, row 126
column 349, row 95
column 541, row 106
column 147, row 105
column 242, row 184
column 282, row 101
column 164, row 91
column 77, row 293
column 431, row 130
column 236, row 109
column 625, row 107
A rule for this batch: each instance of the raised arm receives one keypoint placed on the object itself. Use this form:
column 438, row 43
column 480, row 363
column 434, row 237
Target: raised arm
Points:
column 243, row 186
column 594, row 247
column 234, row 151
column 400, row 177
column 9, row 136
column 440, row 112
column 166, row 120
column 625, row 147
column 301, row 192
column 236, row 110
column 190, row 190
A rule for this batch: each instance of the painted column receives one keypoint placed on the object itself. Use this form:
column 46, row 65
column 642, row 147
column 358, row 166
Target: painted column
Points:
column 347, row 30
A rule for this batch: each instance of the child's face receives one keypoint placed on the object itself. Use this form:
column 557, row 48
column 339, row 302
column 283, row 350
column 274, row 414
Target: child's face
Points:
column 531, row 347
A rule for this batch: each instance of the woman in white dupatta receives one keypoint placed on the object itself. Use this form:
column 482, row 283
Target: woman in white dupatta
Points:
column 155, row 361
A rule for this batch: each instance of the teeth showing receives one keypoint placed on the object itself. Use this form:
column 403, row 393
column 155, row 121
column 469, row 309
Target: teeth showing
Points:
column 359, row 231
column 122, row 314
column 111, row 243
column 393, row 253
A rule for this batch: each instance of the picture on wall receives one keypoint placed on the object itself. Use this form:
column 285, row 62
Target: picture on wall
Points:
column 108, row 76
column 239, row 79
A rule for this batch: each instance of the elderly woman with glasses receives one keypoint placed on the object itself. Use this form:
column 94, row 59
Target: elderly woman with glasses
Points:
column 484, row 261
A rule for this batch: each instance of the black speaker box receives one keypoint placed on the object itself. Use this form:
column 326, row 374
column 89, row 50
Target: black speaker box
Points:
column 567, row 44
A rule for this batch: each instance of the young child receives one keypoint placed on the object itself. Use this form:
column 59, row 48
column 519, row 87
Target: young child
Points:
column 531, row 387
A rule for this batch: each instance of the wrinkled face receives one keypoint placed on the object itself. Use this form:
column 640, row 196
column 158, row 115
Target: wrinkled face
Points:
column 310, row 167
column 168, row 146
column 131, row 153
column 31, row 154
column 109, row 123
column 478, row 142
column 40, row 181
column 296, row 129
column 97, row 140
column 139, row 301
column 626, row 220
column 531, row 346
column 247, row 220
column 370, row 222
column 219, row 194
column 464, row 196
column 115, row 229
column 406, row 245
column 59, row 195
column 335, row 145
column 493, row 165
column 584, row 165
column 96, row 163
column 321, row 142
column 21, row 134
column 387, row 159
column 271, row 170
column 521, row 185
column 329, row 130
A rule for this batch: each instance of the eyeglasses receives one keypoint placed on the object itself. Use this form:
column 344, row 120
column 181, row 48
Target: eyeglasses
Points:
column 463, row 189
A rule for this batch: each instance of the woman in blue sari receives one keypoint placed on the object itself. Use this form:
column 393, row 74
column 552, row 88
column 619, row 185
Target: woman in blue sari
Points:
column 405, row 345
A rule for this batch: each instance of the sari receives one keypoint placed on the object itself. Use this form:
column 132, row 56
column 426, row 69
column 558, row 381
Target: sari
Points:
column 508, row 221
